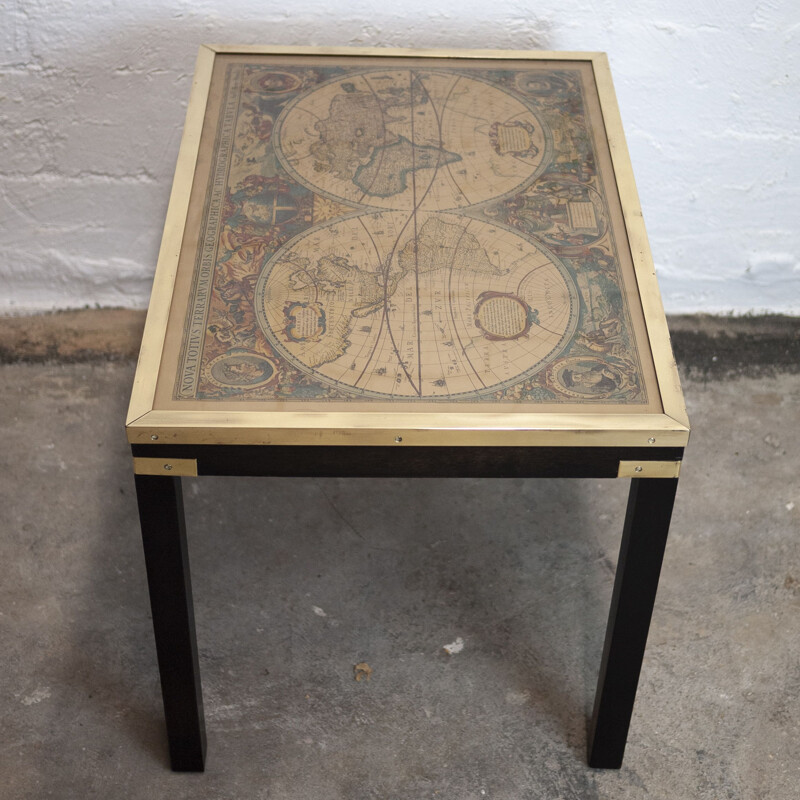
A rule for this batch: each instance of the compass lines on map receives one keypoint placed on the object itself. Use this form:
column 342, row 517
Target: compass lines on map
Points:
column 386, row 264
column 448, row 308
column 414, row 301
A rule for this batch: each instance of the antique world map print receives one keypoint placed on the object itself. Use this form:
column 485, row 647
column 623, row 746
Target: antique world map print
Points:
column 414, row 232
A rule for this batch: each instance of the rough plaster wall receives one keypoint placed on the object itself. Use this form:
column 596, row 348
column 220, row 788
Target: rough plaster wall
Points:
column 93, row 93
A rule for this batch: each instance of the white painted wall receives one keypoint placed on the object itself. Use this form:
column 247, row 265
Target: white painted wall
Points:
column 93, row 93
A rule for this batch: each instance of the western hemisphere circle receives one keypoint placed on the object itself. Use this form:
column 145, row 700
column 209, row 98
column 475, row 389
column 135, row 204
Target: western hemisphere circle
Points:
column 410, row 138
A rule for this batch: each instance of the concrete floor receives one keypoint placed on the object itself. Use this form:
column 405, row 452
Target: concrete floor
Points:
column 297, row 580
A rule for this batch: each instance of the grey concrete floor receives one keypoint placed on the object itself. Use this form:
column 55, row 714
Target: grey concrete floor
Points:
column 297, row 580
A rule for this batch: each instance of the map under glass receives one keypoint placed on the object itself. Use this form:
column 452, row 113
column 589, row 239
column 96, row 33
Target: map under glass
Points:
column 414, row 232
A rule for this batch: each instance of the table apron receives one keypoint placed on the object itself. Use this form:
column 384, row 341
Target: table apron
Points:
column 408, row 462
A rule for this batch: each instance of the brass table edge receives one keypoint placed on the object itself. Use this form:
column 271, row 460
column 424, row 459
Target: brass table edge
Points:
column 161, row 295
column 424, row 429
column 203, row 434
column 658, row 337
column 404, row 52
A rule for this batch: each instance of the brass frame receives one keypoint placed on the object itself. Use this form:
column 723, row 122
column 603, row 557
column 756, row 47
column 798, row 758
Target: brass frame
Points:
column 146, row 424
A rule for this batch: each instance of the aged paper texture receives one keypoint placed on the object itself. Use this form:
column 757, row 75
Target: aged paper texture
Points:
column 406, row 232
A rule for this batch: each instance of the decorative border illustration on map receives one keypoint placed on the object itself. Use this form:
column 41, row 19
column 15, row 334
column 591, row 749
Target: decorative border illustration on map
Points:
column 272, row 318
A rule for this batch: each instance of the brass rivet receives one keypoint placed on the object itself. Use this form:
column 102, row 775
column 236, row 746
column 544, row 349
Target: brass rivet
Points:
column 398, row 439
column 652, row 440
column 154, row 437
column 169, row 466
column 637, row 469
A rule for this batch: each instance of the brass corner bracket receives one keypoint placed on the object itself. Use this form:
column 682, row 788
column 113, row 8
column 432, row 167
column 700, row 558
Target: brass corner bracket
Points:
column 649, row 469
column 173, row 467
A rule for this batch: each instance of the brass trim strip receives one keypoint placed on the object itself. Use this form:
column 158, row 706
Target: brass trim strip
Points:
column 649, row 469
column 644, row 269
column 401, row 52
column 172, row 467
column 144, row 385
column 204, row 427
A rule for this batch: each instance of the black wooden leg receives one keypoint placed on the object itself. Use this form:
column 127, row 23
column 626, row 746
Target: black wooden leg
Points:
column 167, row 560
column 641, row 553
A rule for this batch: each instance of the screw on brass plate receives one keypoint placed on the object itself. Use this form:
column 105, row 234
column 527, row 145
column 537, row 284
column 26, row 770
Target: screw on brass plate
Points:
column 652, row 440
column 154, row 437
column 637, row 469
column 398, row 439
column 169, row 466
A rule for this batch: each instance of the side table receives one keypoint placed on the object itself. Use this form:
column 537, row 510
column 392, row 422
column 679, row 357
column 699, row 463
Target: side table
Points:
column 404, row 263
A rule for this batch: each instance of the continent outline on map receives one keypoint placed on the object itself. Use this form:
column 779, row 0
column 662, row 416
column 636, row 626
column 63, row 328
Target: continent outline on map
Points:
column 447, row 247
column 544, row 152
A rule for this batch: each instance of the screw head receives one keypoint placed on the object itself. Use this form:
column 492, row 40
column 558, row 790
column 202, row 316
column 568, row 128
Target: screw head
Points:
column 154, row 437
column 637, row 469
column 167, row 466
column 652, row 440
column 398, row 439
